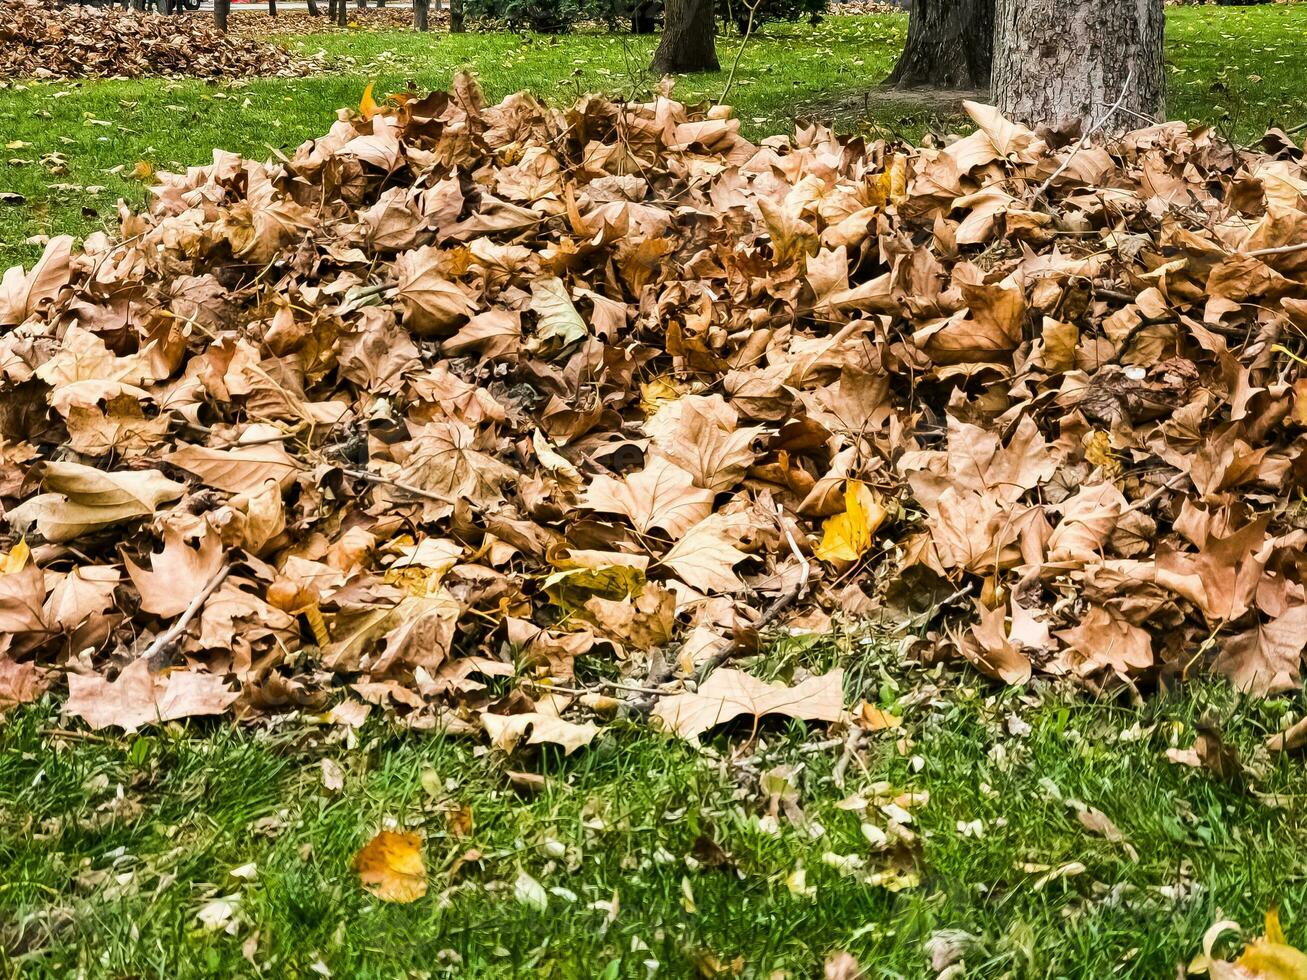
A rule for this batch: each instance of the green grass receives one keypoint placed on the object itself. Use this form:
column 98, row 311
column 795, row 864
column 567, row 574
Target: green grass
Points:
column 112, row 847
column 74, row 145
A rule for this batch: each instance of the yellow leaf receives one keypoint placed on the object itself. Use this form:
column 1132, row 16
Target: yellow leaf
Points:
column 390, row 867
column 367, row 105
column 848, row 536
column 16, row 559
column 658, row 392
column 1271, row 957
column 893, row 183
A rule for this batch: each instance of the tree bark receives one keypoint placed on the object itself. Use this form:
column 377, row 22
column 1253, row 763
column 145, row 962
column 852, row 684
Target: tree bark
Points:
column 313, row 8
column 688, row 42
column 456, row 17
column 420, row 15
column 950, row 45
column 221, row 9
column 272, row 8
column 1063, row 64
column 342, row 14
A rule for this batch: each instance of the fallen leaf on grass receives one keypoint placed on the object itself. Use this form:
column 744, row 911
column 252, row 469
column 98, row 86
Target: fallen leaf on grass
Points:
column 1294, row 737
column 506, row 731
column 18, row 683
column 1269, row 957
column 136, row 697
column 390, row 867
column 729, row 693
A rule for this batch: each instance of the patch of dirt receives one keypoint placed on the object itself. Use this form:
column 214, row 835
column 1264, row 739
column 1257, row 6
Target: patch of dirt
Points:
column 888, row 108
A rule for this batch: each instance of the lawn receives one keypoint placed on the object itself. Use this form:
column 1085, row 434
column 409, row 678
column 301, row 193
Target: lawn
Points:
column 72, row 148
column 1034, row 833
column 168, row 854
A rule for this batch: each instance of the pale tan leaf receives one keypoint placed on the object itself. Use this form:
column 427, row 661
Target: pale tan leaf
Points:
column 136, row 697
column 660, row 496
column 728, row 694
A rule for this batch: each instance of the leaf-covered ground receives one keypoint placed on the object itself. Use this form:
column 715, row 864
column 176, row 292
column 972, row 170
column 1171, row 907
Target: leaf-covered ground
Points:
column 1048, row 830
column 1241, row 67
column 116, row 850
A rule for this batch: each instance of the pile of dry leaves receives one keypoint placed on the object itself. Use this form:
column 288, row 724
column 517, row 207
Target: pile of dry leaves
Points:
column 253, row 21
column 43, row 40
column 465, row 406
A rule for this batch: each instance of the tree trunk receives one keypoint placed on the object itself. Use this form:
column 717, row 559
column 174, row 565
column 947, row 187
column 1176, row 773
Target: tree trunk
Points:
column 342, row 14
column 644, row 18
column 420, row 13
column 1063, row 64
column 456, row 16
column 313, row 8
column 950, row 45
column 272, row 8
column 687, row 43
column 221, row 8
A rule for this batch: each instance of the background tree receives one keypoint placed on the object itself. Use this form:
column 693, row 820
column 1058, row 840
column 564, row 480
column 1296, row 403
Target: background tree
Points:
column 1063, row 64
column 221, row 10
column 456, row 17
column 688, row 42
column 420, row 18
column 950, row 45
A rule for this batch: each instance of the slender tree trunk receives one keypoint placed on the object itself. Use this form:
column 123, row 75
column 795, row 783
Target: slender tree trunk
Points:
column 342, row 14
column 420, row 12
column 644, row 17
column 950, row 45
column 687, row 43
column 361, row 4
column 456, row 17
column 272, row 8
column 1063, row 64
column 313, row 8
column 221, row 9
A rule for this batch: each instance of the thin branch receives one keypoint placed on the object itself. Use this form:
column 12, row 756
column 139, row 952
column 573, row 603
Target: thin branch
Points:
column 739, row 53
column 388, row 482
column 1084, row 140
column 154, row 653
column 1278, row 250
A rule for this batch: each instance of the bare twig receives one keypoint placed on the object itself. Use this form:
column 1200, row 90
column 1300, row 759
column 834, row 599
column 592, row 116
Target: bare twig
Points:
column 739, row 53
column 1278, row 250
column 1084, row 140
column 388, row 482
column 155, row 652
column 851, row 744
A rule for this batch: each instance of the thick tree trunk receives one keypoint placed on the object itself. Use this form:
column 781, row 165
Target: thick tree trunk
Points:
column 455, row 16
column 342, row 14
column 950, row 45
column 313, row 8
column 221, row 10
column 687, row 43
column 1063, row 64
column 420, row 15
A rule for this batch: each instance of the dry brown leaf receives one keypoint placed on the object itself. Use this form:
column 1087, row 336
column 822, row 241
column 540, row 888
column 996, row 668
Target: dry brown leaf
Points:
column 728, row 694
column 662, row 496
column 136, row 697
column 177, row 574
